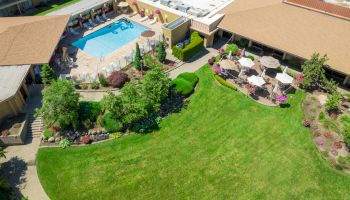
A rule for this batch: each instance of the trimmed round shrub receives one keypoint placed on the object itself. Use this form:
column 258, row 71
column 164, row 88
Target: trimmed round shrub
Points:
column 233, row 48
column 117, row 79
column 185, row 83
column 89, row 110
column 251, row 57
column 111, row 124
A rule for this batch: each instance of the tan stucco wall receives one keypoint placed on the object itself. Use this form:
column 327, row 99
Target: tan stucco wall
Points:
column 12, row 106
column 177, row 34
column 167, row 16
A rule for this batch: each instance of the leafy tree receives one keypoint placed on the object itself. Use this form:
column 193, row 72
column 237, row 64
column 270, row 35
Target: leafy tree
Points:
column 134, row 102
column 333, row 101
column 156, row 86
column 138, row 58
column 60, row 105
column 314, row 73
column 47, row 74
column 113, row 104
column 161, row 52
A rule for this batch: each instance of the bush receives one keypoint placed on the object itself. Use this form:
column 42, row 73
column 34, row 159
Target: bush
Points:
column 251, row 57
column 243, row 42
column 47, row 134
column 185, row 83
column 103, row 81
column 89, row 110
column 321, row 116
column 110, row 124
column 117, row 79
column 95, row 85
column 333, row 101
column 346, row 135
column 64, row 143
column 233, row 48
column 345, row 120
column 224, row 83
column 196, row 45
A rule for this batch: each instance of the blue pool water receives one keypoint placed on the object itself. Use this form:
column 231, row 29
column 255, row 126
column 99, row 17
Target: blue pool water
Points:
column 107, row 39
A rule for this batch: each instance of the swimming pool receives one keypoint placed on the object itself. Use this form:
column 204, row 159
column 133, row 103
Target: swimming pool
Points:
column 109, row 38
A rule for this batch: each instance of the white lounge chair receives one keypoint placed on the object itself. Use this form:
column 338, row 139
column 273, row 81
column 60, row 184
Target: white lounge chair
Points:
column 144, row 19
column 105, row 17
column 99, row 19
column 153, row 21
column 74, row 32
column 86, row 26
column 92, row 23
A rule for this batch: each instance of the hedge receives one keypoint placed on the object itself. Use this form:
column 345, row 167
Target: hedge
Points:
column 110, row 124
column 196, row 45
column 185, row 83
column 89, row 110
column 224, row 83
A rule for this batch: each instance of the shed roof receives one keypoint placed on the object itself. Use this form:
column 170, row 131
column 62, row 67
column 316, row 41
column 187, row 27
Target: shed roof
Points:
column 11, row 79
column 30, row 40
column 292, row 29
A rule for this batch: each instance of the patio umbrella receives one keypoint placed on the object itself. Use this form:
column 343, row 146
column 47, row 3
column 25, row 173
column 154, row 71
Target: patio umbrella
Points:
column 123, row 4
column 256, row 81
column 284, row 78
column 246, row 62
column 148, row 34
column 269, row 62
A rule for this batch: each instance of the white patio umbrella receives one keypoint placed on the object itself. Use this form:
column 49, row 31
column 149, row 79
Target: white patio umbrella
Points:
column 256, row 80
column 269, row 62
column 284, row 78
column 246, row 62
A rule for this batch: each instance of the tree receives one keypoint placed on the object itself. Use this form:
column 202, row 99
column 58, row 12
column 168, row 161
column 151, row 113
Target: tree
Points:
column 314, row 73
column 47, row 74
column 138, row 58
column 161, row 52
column 113, row 104
column 156, row 86
column 134, row 102
column 60, row 105
column 117, row 79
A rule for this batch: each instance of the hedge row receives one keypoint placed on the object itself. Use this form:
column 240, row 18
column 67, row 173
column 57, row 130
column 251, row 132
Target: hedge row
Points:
column 224, row 83
column 196, row 45
column 185, row 83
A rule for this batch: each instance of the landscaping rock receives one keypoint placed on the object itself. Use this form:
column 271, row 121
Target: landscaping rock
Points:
column 51, row 139
column 58, row 139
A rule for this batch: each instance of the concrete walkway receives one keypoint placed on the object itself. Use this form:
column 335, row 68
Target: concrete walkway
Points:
column 19, row 167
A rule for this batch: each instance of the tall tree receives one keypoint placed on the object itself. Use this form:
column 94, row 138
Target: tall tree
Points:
column 60, row 104
column 161, row 52
column 138, row 58
column 113, row 104
column 47, row 74
column 314, row 73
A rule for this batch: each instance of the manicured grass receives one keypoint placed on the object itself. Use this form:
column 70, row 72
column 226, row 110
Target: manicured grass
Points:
column 61, row 4
column 222, row 146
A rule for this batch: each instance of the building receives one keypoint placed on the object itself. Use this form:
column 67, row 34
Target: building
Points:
column 290, row 29
column 26, row 42
column 17, row 7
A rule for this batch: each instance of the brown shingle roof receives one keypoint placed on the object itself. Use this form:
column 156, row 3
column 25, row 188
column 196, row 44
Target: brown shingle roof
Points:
column 322, row 6
column 29, row 40
column 292, row 29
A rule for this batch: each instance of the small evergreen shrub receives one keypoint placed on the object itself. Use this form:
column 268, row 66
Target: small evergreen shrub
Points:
column 103, row 81
column 95, row 85
column 251, row 57
column 117, row 79
column 196, row 45
column 110, row 124
column 321, row 116
column 64, row 143
column 185, row 83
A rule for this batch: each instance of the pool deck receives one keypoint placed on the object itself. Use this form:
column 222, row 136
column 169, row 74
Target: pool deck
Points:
column 86, row 63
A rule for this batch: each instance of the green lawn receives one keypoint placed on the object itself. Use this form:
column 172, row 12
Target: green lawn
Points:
column 223, row 146
column 59, row 5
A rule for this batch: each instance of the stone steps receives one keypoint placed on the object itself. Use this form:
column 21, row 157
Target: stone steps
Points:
column 35, row 126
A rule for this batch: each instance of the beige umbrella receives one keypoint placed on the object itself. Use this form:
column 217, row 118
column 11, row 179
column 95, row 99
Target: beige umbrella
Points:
column 269, row 62
column 123, row 4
